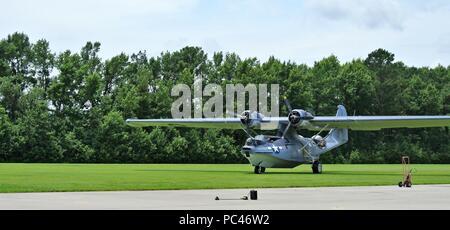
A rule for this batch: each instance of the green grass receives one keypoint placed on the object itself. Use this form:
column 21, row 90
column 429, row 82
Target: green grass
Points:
column 107, row 177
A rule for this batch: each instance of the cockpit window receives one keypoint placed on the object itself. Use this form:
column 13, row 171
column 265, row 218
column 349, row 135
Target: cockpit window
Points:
column 272, row 139
column 249, row 141
column 259, row 142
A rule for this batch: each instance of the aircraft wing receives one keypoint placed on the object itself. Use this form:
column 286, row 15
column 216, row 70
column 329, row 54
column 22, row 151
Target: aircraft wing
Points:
column 317, row 123
column 221, row 123
column 378, row 122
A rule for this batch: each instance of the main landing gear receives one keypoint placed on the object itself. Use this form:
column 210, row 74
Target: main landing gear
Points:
column 259, row 170
column 316, row 167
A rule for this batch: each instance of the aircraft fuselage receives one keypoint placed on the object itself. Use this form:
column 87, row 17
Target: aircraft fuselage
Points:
column 274, row 152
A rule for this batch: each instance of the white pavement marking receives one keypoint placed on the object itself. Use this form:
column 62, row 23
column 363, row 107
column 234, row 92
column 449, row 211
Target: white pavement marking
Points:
column 334, row 198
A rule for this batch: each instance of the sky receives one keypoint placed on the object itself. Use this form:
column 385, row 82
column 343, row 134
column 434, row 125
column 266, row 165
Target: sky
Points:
column 416, row 31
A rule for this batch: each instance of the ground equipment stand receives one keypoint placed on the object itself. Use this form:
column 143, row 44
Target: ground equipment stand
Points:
column 407, row 173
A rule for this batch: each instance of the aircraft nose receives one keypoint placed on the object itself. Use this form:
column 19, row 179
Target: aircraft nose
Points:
column 247, row 150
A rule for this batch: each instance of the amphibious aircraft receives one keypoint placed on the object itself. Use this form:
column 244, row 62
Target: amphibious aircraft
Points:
column 288, row 149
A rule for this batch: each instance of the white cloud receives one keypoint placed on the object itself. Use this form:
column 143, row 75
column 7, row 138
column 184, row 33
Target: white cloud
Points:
column 369, row 13
column 119, row 25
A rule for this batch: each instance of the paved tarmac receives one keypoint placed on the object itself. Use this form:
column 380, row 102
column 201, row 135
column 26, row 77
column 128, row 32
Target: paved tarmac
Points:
column 334, row 198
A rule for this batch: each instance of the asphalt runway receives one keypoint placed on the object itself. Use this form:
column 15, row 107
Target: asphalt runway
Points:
column 334, row 198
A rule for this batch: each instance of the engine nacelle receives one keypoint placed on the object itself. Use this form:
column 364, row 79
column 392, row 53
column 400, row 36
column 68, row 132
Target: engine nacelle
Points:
column 298, row 115
column 251, row 119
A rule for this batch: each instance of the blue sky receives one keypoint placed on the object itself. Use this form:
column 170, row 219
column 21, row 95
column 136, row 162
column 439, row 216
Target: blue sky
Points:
column 417, row 31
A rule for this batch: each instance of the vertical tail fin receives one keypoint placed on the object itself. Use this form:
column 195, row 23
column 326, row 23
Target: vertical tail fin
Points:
column 342, row 112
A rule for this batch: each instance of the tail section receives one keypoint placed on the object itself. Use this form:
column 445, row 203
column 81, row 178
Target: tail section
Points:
column 342, row 112
column 338, row 137
column 334, row 139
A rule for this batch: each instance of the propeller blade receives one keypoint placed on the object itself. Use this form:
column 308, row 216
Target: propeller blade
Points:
column 285, row 130
column 288, row 105
column 248, row 134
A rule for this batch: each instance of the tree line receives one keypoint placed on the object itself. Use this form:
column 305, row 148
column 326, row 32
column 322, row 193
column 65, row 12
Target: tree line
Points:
column 71, row 106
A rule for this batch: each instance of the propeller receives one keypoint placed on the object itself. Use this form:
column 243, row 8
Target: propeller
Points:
column 245, row 118
column 289, row 107
column 293, row 117
column 245, row 122
column 249, row 119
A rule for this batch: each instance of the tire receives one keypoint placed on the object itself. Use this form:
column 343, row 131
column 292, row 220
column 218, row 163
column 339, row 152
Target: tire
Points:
column 257, row 170
column 263, row 170
column 317, row 167
column 400, row 184
column 408, row 185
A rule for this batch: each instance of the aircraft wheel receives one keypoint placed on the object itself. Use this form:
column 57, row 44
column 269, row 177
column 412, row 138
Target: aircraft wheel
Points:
column 400, row 184
column 258, row 170
column 263, row 170
column 317, row 167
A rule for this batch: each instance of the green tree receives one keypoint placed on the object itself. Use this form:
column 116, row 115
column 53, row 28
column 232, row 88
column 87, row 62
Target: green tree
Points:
column 7, row 137
column 71, row 107
column 323, row 79
column 355, row 86
column 42, row 63
column 388, row 82
column 422, row 98
column 39, row 140
column 10, row 95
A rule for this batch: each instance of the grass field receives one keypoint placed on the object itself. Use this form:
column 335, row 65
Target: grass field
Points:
column 106, row 177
